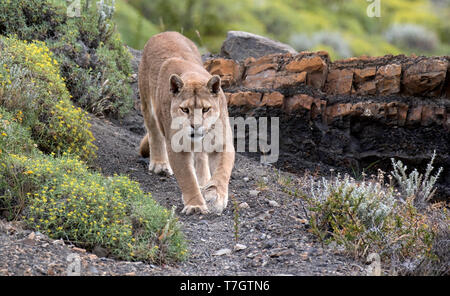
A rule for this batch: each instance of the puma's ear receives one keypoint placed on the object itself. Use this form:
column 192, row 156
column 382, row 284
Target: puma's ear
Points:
column 214, row 84
column 176, row 84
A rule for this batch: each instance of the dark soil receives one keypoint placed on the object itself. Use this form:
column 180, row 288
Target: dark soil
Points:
column 273, row 229
column 276, row 236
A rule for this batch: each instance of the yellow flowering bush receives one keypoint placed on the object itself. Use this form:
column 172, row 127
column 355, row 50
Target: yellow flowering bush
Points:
column 13, row 137
column 30, row 82
column 44, row 180
column 61, row 198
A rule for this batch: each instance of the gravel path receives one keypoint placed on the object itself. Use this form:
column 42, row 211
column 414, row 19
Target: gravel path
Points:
column 273, row 237
column 272, row 230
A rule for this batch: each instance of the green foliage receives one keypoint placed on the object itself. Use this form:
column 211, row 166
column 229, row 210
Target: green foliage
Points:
column 14, row 138
column 134, row 28
column 412, row 36
column 369, row 216
column 418, row 187
column 32, row 88
column 61, row 198
column 351, row 214
column 43, row 179
column 284, row 19
column 91, row 56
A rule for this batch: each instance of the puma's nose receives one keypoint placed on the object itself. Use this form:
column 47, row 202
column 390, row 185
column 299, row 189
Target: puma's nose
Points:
column 196, row 130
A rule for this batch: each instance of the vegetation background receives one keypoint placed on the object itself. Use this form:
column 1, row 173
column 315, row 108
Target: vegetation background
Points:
column 341, row 27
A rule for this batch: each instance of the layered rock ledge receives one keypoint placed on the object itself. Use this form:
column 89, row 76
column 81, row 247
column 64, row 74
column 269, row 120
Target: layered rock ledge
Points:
column 351, row 113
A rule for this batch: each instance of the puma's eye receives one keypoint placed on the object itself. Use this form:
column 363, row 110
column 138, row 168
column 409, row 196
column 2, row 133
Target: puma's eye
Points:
column 185, row 110
column 206, row 109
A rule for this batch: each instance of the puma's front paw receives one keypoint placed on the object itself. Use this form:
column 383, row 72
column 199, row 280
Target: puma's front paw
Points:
column 188, row 209
column 160, row 168
column 216, row 201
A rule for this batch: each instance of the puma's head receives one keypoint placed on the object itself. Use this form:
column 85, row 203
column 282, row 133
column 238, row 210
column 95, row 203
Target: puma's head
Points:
column 195, row 103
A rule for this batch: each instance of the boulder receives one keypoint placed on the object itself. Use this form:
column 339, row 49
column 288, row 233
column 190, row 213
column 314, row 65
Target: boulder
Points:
column 242, row 45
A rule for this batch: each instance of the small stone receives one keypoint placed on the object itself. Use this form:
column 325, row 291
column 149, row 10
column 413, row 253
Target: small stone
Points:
column 304, row 255
column 246, row 179
column 281, row 252
column 58, row 242
column 50, row 271
column 264, row 216
column 92, row 256
column 272, row 99
column 31, row 236
column 79, row 250
column 304, row 221
column 269, row 244
column 273, row 203
column 222, row 252
column 254, row 193
column 339, row 82
column 244, row 205
column 239, row 247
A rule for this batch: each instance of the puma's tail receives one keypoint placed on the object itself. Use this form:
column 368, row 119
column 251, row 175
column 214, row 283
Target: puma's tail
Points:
column 144, row 149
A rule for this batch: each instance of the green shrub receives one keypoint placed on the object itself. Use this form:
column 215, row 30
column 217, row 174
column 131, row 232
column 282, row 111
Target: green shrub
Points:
column 371, row 217
column 322, row 40
column 30, row 85
column 412, row 36
column 88, row 49
column 54, row 192
column 61, row 198
column 14, row 138
column 350, row 213
column 134, row 28
column 416, row 186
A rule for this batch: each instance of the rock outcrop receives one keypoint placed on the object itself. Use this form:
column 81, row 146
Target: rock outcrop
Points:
column 241, row 45
column 350, row 113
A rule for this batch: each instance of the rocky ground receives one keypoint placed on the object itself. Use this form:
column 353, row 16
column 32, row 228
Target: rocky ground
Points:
column 272, row 236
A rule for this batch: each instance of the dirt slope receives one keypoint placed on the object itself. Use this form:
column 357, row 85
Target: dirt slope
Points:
column 276, row 240
column 272, row 228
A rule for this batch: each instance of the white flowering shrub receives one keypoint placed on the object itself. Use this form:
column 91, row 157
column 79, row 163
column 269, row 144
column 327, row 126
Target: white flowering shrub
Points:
column 371, row 201
column 415, row 185
column 370, row 216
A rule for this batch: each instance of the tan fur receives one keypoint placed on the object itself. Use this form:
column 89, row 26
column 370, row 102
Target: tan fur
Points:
column 144, row 149
column 174, row 84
